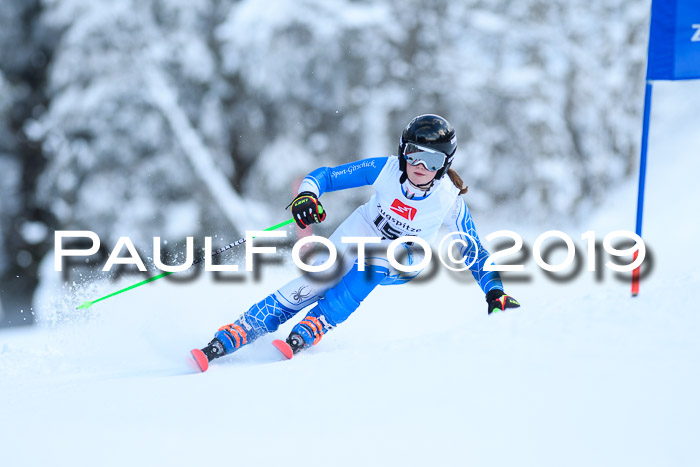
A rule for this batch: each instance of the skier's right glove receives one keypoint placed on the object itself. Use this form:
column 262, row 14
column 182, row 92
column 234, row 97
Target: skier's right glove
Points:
column 499, row 301
column 307, row 209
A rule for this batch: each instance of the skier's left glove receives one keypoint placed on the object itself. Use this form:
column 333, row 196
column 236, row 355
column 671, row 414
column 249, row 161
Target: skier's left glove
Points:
column 307, row 209
column 499, row 301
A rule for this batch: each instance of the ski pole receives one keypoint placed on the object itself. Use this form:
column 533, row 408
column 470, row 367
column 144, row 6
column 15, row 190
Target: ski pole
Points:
column 89, row 303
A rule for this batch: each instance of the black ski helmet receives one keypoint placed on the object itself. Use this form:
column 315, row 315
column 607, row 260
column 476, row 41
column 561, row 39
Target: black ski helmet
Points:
column 430, row 131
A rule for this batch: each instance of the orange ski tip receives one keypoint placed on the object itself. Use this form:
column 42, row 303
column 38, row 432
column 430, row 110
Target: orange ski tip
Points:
column 201, row 359
column 283, row 347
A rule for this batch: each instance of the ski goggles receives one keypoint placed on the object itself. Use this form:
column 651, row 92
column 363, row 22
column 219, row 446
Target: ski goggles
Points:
column 432, row 160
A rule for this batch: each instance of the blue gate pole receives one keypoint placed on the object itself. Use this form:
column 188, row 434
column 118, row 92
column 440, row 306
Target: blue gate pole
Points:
column 642, row 178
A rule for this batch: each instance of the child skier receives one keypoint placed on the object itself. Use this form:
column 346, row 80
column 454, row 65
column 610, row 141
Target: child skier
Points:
column 412, row 197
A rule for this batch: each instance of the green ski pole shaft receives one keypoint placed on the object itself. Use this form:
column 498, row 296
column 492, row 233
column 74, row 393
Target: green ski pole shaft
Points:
column 89, row 303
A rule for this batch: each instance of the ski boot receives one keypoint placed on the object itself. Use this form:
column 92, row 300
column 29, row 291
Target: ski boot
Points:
column 215, row 349
column 296, row 342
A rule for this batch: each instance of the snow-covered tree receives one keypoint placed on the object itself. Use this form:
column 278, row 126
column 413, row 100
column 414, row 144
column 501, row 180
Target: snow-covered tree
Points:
column 130, row 86
column 24, row 223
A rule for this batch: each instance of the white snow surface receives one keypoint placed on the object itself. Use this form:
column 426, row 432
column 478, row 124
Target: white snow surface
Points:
column 581, row 375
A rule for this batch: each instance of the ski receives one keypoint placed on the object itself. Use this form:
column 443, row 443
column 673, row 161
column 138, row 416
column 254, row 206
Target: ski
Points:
column 201, row 359
column 284, row 348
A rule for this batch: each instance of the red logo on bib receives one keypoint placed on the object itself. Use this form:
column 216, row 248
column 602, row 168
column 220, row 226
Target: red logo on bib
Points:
column 403, row 210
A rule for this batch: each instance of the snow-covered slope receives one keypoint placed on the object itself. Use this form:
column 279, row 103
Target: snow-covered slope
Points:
column 581, row 375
